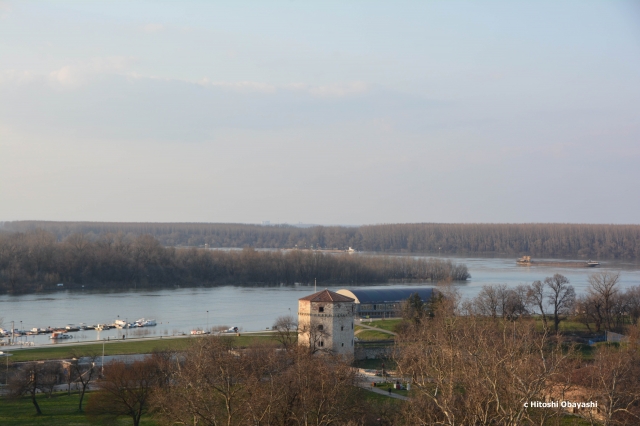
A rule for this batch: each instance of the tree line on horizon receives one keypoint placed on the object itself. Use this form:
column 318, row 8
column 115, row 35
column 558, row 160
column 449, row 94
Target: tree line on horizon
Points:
column 594, row 241
column 37, row 261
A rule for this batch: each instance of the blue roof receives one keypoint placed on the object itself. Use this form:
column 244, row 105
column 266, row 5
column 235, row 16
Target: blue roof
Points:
column 386, row 294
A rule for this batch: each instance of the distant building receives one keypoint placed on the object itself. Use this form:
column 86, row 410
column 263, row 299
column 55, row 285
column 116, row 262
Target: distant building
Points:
column 383, row 302
column 325, row 322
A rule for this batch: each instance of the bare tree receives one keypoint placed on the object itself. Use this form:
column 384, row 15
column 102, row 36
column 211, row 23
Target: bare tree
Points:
column 317, row 336
column 515, row 304
column 466, row 370
column 215, row 384
column 26, row 381
column 125, row 390
column 488, row 301
column 536, row 296
column 83, row 369
column 50, row 373
column 499, row 300
column 632, row 296
column 562, row 297
column 614, row 381
column 603, row 288
column 286, row 329
column 588, row 310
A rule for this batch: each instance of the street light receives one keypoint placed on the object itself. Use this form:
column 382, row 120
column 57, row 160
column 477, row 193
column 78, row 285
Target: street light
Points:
column 207, row 321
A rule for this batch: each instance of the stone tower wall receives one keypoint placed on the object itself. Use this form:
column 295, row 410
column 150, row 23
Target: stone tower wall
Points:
column 337, row 318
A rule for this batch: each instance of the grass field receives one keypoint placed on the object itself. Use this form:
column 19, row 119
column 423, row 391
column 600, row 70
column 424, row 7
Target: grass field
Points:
column 389, row 325
column 375, row 364
column 374, row 335
column 567, row 326
column 59, row 410
column 123, row 348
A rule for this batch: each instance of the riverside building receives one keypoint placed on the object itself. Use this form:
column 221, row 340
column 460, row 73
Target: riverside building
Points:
column 325, row 322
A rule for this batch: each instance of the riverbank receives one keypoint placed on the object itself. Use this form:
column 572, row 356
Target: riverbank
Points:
column 126, row 347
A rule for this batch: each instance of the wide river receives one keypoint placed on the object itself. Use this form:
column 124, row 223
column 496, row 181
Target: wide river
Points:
column 249, row 308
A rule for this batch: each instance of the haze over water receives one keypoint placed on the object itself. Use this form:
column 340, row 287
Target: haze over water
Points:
column 250, row 308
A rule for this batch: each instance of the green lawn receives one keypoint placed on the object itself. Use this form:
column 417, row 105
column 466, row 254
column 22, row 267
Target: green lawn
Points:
column 389, row 325
column 378, row 398
column 60, row 409
column 121, row 348
column 375, row 364
column 374, row 335
column 567, row 326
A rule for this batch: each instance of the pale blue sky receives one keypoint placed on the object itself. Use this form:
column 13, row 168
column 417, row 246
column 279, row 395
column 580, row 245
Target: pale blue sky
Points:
column 320, row 112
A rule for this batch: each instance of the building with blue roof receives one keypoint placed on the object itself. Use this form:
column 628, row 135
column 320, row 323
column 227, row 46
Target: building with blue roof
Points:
column 384, row 302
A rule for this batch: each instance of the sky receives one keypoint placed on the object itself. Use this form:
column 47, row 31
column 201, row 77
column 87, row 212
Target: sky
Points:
column 327, row 112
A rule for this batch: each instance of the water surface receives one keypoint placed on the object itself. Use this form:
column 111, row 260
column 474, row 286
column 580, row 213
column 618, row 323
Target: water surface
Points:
column 250, row 308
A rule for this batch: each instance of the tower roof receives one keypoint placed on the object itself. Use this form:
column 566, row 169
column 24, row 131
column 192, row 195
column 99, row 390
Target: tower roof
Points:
column 327, row 296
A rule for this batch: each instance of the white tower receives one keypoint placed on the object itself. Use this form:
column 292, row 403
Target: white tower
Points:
column 325, row 322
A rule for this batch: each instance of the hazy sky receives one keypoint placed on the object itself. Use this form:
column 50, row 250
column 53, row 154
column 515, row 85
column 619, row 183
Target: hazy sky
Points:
column 320, row 112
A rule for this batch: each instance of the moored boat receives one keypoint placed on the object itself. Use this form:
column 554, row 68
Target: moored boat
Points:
column 142, row 322
column 60, row 335
column 524, row 260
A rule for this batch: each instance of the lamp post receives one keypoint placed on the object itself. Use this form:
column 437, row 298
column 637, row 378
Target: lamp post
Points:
column 102, row 357
column 207, row 322
column 21, row 332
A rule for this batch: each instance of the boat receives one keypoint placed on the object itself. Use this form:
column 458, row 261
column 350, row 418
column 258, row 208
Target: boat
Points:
column 198, row 332
column 142, row 322
column 59, row 335
column 593, row 264
column 122, row 324
column 231, row 330
column 524, row 260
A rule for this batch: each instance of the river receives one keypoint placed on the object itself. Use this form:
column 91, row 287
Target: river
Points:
column 180, row 310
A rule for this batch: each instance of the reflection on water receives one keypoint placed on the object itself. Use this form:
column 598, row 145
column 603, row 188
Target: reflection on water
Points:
column 251, row 308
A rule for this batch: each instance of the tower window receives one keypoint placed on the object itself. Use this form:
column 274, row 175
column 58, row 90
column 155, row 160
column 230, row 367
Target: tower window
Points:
column 321, row 343
column 352, row 326
column 342, row 344
column 321, row 309
column 321, row 327
column 341, row 328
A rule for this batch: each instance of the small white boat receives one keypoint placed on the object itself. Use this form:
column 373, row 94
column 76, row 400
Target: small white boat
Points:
column 122, row 324
column 142, row 322
column 58, row 335
column 231, row 330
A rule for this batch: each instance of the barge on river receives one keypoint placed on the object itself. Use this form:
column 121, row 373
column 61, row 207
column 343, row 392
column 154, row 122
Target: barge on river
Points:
column 526, row 261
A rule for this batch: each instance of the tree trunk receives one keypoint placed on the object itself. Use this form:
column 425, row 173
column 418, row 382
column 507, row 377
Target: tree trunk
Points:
column 81, row 398
column 35, row 403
